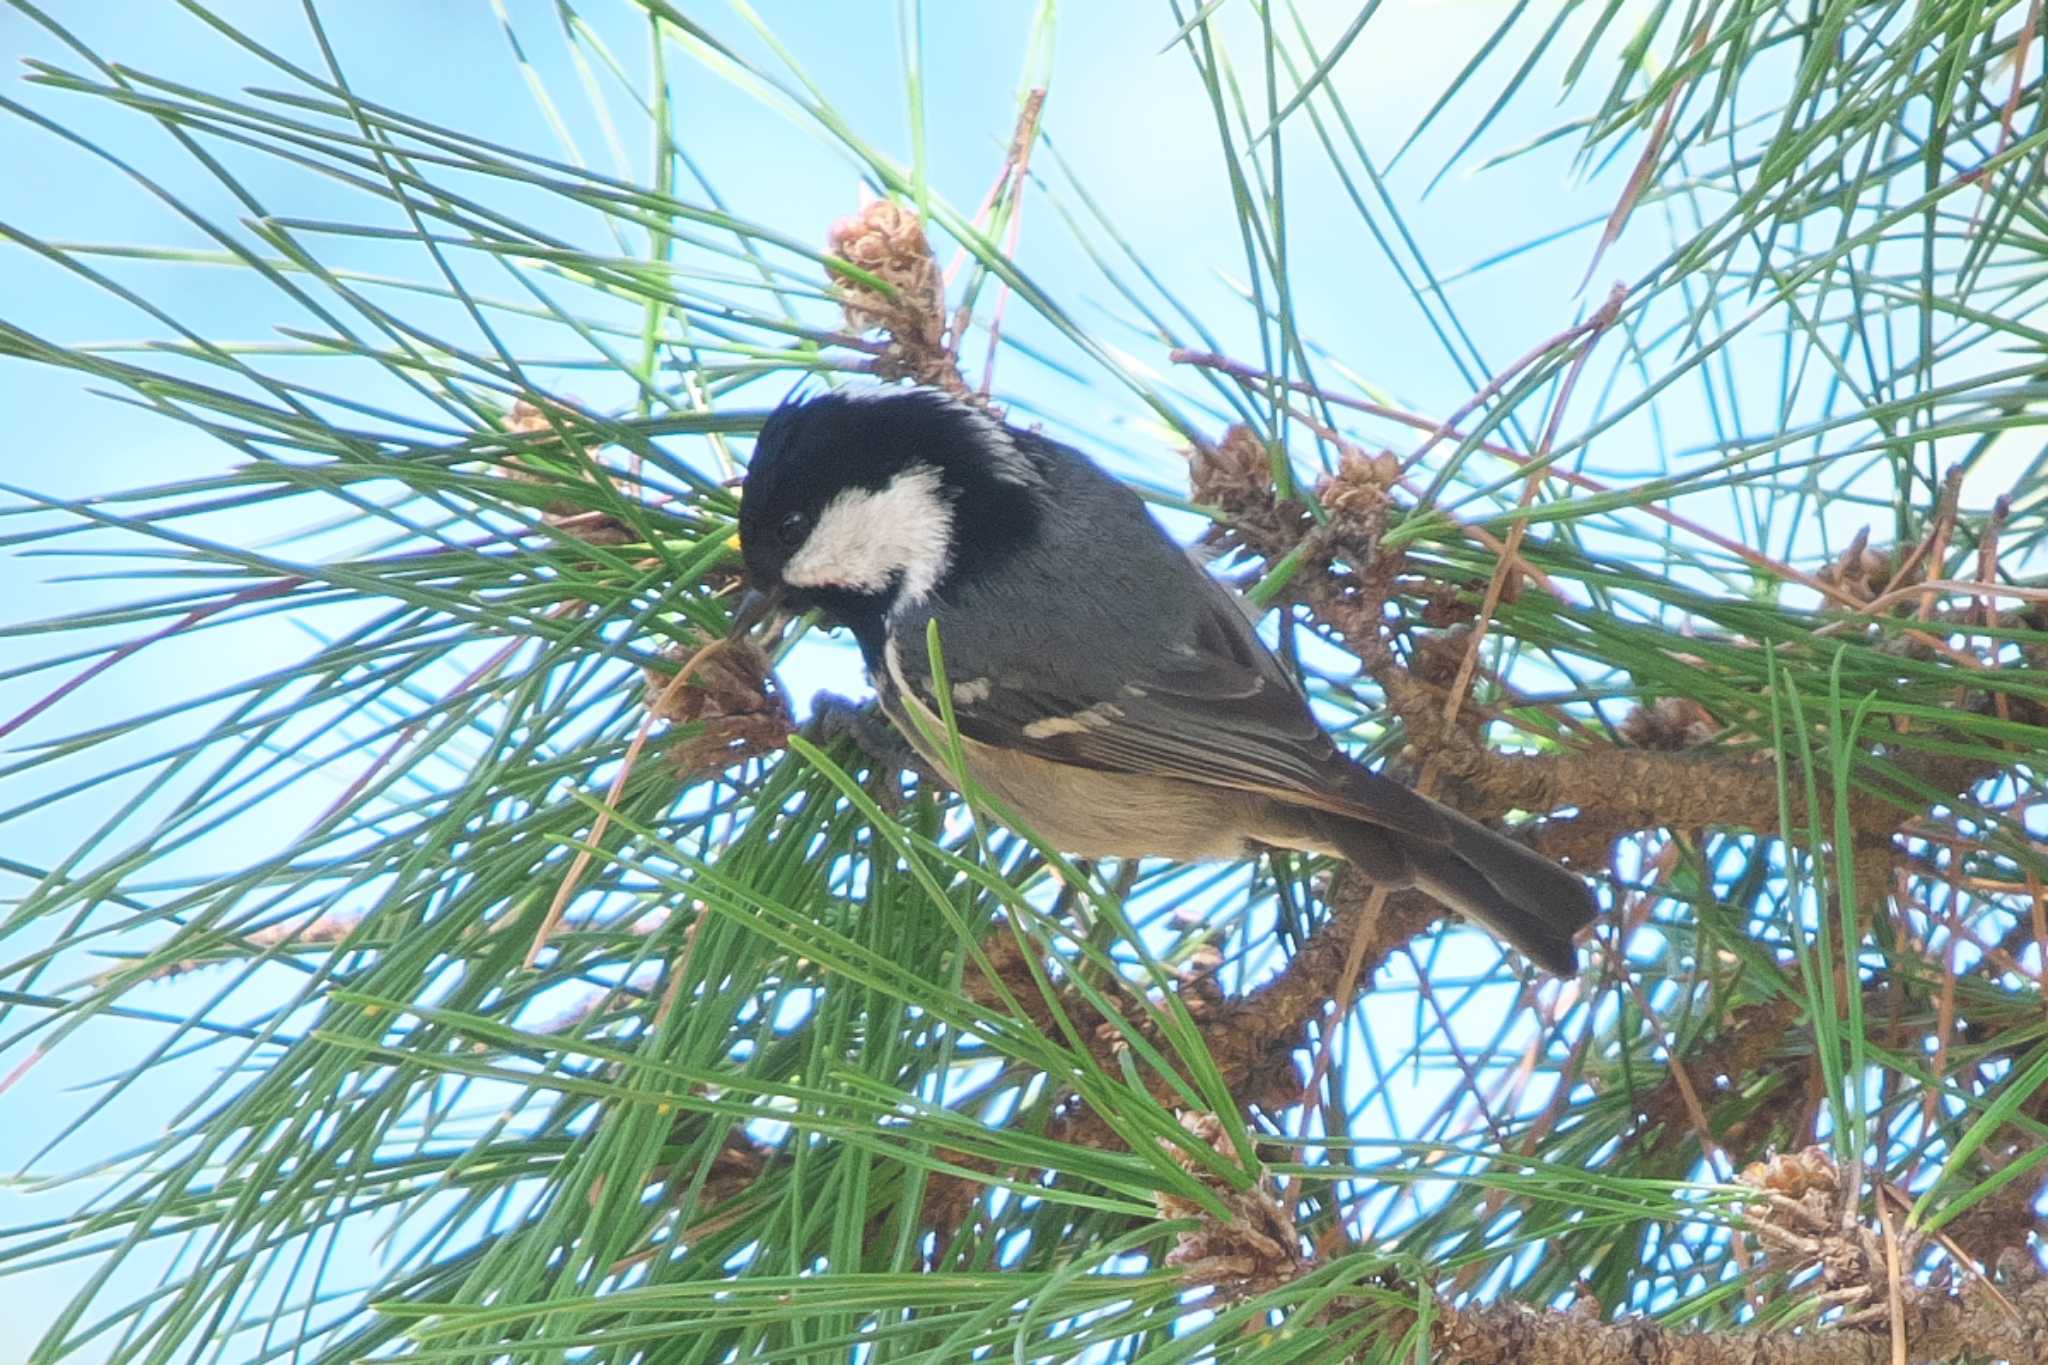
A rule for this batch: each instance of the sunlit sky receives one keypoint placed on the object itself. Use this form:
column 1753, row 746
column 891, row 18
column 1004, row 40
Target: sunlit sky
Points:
column 1125, row 116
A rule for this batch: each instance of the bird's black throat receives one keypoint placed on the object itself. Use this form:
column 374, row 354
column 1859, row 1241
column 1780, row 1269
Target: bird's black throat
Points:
column 866, row 614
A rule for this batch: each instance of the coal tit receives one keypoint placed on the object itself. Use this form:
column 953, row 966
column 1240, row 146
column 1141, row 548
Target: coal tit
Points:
column 1106, row 689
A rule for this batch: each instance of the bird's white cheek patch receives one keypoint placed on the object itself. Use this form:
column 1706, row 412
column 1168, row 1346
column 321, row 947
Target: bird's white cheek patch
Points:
column 865, row 537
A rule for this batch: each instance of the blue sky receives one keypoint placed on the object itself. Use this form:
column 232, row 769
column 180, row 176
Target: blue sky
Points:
column 1126, row 117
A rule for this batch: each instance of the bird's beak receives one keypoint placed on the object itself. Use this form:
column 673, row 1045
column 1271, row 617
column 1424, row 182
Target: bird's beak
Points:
column 754, row 608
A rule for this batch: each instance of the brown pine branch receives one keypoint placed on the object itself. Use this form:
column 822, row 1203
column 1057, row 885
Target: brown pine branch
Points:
column 1615, row 789
column 1939, row 1327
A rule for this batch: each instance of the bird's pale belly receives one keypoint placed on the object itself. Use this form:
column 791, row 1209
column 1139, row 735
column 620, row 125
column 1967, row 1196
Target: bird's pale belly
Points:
column 1093, row 814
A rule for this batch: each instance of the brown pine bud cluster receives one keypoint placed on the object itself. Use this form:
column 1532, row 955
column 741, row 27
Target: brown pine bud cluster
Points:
column 589, row 525
column 1234, row 473
column 1806, row 1217
column 1794, row 1174
column 1670, row 723
column 888, row 242
column 1859, row 571
column 1361, row 484
column 731, row 691
column 1236, row 476
column 1257, row 1249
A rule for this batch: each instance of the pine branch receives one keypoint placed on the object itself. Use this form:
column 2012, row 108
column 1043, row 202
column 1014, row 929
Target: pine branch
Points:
column 1940, row 1327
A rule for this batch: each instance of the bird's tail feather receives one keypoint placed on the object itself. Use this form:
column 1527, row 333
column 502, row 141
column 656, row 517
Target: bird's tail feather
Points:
column 1512, row 890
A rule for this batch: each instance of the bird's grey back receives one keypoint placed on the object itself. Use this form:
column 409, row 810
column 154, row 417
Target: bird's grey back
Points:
column 1124, row 589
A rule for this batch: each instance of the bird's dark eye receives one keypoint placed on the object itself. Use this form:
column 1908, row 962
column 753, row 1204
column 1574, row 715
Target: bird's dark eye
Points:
column 792, row 529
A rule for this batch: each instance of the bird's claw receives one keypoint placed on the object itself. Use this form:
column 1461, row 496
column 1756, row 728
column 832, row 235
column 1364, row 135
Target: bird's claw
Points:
column 835, row 717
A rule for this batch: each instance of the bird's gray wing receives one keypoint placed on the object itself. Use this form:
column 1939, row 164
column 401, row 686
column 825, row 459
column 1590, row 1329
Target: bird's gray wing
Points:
column 1182, row 688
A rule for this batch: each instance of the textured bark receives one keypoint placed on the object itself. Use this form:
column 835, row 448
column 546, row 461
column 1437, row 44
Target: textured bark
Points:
column 1940, row 1328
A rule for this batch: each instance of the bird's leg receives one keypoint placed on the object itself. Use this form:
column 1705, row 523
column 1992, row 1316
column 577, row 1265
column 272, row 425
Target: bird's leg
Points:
column 834, row 717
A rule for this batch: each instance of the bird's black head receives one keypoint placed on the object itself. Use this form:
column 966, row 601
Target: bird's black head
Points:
column 860, row 503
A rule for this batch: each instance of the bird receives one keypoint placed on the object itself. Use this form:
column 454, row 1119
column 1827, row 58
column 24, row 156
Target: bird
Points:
column 1107, row 690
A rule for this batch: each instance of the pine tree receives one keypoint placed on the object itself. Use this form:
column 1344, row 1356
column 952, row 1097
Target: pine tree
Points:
column 513, row 969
